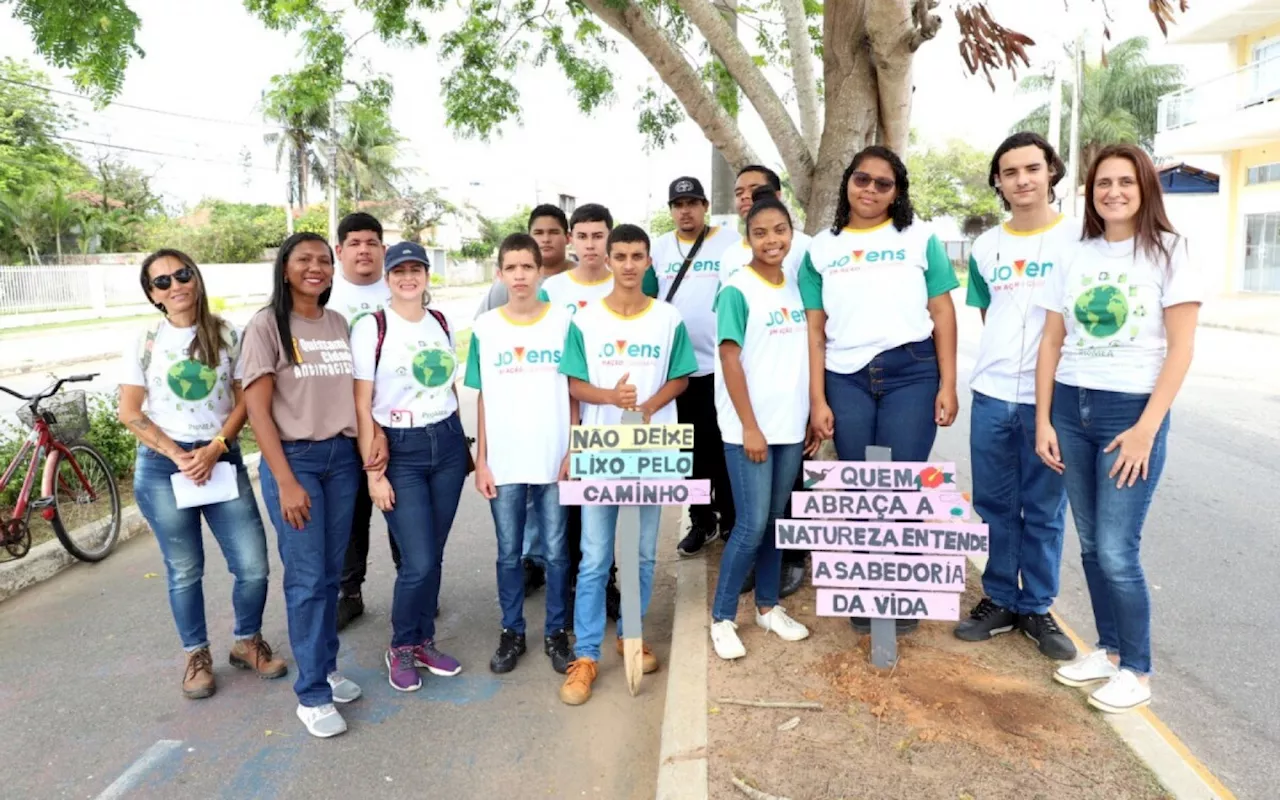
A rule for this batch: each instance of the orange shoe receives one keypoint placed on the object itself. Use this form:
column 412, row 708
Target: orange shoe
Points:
column 650, row 661
column 255, row 654
column 577, row 687
column 197, row 681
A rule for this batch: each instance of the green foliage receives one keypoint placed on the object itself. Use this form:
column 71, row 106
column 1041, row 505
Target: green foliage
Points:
column 477, row 249
column 659, row 114
column 421, row 211
column 369, row 145
column 93, row 38
column 1119, row 101
column 236, row 233
column 953, row 182
column 660, row 222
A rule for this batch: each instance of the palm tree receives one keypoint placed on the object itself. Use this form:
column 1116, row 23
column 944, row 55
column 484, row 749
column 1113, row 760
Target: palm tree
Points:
column 23, row 214
column 60, row 211
column 299, row 104
column 1119, row 100
column 368, row 148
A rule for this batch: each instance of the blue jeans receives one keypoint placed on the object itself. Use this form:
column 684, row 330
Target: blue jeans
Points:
column 236, row 526
column 1109, row 520
column 512, row 522
column 760, row 495
column 889, row 403
column 533, row 548
column 427, row 467
column 328, row 470
column 1023, row 502
column 599, row 525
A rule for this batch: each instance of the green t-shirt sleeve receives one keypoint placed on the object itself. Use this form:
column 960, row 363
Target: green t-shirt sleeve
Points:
column 683, row 361
column 649, row 284
column 810, row 285
column 939, row 276
column 731, row 316
column 472, row 379
column 978, row 294
column 574, row 360
column 542, row 295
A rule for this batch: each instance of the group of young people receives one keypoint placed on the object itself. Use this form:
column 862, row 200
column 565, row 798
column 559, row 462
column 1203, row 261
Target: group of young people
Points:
column 768, row 344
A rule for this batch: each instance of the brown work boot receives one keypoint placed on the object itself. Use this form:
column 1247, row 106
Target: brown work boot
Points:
column 255, row 654
column 577, row 687
column 650, row 661
column 197, row 681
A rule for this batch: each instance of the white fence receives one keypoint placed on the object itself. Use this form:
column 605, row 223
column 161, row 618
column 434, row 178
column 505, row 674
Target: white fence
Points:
column 29, row 289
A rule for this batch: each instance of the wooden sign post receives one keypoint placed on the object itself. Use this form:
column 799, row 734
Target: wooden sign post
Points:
column 890, row 542
column 631, row 465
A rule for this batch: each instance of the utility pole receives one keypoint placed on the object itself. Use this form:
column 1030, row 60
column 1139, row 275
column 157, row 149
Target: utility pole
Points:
column 722, row 176
column 1055, row 106
column 333, row 169
column 1074, row 170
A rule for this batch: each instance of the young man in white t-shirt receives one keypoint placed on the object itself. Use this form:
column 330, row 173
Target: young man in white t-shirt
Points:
column 1023, row 502
column 692, row 290
column 358, row 290
column 591, row 280
column 627, row 351
column 522, row 447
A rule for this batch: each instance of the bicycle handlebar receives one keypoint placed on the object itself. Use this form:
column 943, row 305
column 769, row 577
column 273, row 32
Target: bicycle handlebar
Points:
column 52, row 390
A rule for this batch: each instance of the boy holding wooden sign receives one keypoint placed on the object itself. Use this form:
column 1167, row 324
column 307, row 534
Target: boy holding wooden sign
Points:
column 514, row 362
column 618, row 351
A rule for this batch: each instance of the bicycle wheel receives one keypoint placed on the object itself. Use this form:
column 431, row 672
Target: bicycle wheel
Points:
column 87, row 521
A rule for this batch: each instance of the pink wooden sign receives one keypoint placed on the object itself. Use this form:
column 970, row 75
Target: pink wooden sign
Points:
column 943, row 506
column 884, row 476
column 635, row 493
column 936, row 538
column 888, row 605
column 886, row 571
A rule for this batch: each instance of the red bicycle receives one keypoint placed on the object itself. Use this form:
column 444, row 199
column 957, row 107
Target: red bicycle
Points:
column 78, row 498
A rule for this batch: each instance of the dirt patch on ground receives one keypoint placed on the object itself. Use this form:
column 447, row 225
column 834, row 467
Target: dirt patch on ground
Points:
column 951, row 720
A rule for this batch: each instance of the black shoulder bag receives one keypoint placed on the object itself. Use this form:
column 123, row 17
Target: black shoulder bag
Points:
column 688, row 260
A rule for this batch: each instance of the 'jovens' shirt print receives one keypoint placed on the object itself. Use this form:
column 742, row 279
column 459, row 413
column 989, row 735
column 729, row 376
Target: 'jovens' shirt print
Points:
column 696, row 296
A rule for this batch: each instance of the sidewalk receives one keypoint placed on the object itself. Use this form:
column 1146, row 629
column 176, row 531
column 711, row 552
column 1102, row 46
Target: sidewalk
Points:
column 1254, row 313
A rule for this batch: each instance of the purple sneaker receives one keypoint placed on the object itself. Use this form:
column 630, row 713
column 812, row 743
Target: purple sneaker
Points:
column 401, row 672
column 437, row 663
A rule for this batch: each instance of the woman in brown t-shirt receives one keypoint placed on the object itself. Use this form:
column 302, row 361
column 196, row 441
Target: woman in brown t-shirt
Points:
column 298, row 389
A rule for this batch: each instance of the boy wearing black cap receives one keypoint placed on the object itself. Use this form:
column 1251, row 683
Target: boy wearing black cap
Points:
column 687, row 265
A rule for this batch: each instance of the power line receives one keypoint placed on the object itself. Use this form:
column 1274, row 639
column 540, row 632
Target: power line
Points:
column 179, row 114
column 156, row 152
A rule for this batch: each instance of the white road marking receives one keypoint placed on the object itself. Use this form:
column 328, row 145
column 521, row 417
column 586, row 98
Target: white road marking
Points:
column 130, row 777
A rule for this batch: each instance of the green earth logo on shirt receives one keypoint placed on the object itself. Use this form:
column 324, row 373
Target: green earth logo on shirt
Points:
column 191, row 380
column 433, row 367
column 1102, row 310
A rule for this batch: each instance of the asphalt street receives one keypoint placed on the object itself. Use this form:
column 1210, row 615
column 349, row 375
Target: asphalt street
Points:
column 90, row 693
column 1210, row 550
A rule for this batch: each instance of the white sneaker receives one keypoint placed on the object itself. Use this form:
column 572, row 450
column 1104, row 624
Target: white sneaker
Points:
column 1091, row 669
column 724, row 637
column 1122, row 693
column 322, row 721
column 777, row 621
column 344, row 689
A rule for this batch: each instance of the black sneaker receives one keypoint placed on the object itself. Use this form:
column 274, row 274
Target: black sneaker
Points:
column 985, row 621
column 612, row 601
column 694, row 541
column 724, row 529
column 793, row 573
column 557, row 646
column 535, row 577
column 510, row 647
column 1044, row 631
column 901, row 626
column 350, row 606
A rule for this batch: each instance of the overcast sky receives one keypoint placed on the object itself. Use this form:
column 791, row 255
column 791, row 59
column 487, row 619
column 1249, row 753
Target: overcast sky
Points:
column 212, row 59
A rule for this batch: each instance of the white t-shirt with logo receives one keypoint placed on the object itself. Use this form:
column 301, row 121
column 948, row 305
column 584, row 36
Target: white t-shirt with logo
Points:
column 738, row 257
column 413, row 383
column 1006, row 269
column 187, row 399
column 874, row 285
column 516, row 367
column 353, row 300
column 768, row 323
column 569, row 292
column 696, row 297
column 1113, row 305
column 653, row 347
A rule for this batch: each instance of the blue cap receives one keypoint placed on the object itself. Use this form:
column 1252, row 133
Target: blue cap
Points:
column 403, row 253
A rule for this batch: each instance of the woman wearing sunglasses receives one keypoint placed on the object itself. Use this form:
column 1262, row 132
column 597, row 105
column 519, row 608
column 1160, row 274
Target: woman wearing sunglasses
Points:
column 882, row 327
column 180, row 396
column 298, row 389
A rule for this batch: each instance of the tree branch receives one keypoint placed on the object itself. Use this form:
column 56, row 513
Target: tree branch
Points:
column 637, row 27
column 802, row 70
column 892, row 28
column 795, row 151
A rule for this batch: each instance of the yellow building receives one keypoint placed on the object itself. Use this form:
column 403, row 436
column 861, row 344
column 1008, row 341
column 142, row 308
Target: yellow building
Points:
column 1231, row 124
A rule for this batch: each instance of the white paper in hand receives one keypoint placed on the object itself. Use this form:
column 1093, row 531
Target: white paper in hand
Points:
column 221, row 487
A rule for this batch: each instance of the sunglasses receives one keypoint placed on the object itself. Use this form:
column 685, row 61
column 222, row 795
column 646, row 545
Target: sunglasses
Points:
column 862, row 180
column 182, row 275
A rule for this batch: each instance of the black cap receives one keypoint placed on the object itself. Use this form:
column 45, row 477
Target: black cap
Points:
column 686, row 187
column 404, row 252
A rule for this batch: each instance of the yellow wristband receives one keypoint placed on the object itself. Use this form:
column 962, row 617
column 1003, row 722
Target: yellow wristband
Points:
column 222, row 440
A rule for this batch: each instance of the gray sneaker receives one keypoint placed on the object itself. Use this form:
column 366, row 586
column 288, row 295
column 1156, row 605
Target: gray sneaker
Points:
column 344, row 689
column 322, row 721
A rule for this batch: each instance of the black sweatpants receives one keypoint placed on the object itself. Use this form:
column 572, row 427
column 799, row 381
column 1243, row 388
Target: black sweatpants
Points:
column 697, row 407
column 357, row 560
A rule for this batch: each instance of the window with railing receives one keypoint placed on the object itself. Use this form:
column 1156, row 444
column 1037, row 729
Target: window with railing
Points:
column 1265, row 72
column 1255, row 83
column 1262, row 252
column 1263, row 173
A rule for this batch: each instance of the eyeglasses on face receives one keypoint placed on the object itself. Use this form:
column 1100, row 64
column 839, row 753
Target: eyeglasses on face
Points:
column 862, row 180
column 181, row 275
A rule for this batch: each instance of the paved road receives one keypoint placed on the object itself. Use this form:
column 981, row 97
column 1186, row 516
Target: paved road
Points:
column 89, row 692
column 1210, row 551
